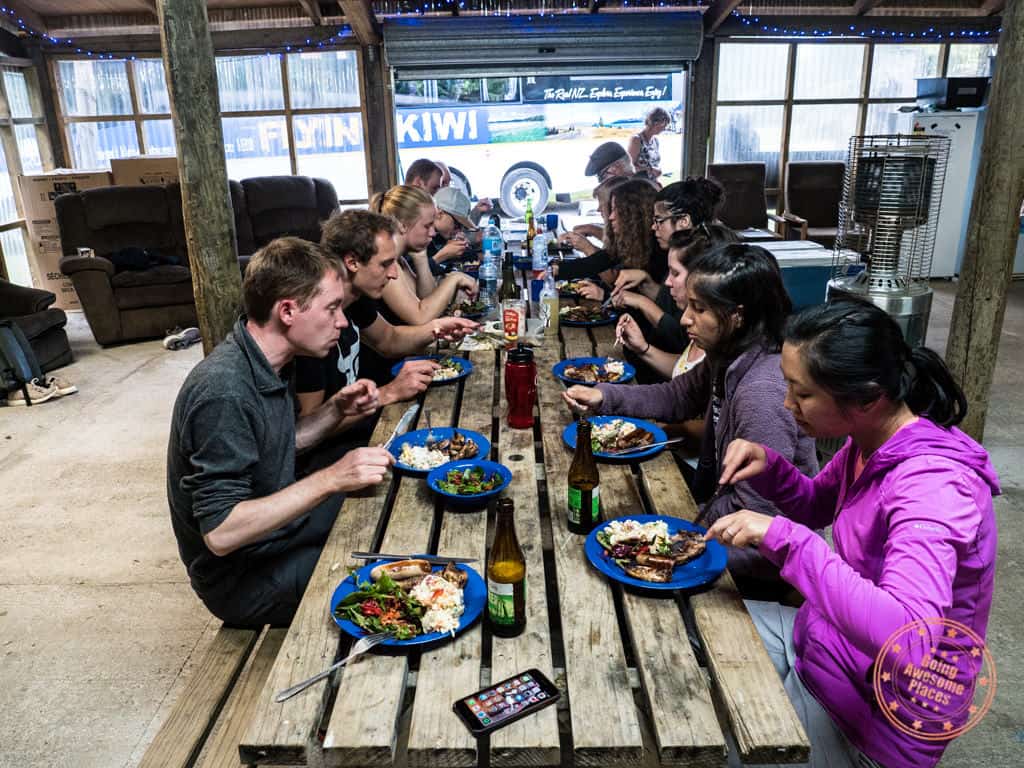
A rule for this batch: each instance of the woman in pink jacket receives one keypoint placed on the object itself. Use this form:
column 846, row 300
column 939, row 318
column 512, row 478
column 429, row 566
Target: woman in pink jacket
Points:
column 909, row 498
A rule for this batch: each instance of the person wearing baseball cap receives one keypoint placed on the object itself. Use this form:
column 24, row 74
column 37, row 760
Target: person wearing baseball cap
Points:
column 452, row 218
column 608, row 160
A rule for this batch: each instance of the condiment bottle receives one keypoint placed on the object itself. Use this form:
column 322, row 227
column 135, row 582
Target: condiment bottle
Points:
column 520, row 386
column 584, row 483
column 506, row 577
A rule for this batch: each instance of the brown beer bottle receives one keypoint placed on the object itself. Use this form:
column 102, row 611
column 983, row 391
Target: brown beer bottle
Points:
column 506, row 577
column 584, row 483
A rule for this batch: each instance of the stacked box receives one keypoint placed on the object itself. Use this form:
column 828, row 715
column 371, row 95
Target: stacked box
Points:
column 145, row 169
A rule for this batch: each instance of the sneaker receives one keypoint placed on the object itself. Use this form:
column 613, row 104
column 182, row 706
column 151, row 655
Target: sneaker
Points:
column 182, row 339
column 38, row 392
column 64, row 387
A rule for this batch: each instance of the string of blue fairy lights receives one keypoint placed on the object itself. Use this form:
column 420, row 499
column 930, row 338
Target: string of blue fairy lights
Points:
column 869, row 28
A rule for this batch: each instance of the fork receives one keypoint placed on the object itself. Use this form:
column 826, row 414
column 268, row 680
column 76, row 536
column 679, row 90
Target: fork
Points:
column 719, row 491
column 362, row 646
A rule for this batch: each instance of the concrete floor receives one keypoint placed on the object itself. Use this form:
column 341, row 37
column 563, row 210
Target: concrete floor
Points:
column 98, row 625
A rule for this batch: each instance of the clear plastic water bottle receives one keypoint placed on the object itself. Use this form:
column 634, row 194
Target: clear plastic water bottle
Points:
column 490, row 263
column 491, row 239
column 539, row 257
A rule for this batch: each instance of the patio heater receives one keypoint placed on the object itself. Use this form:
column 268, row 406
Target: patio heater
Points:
column 891, row 196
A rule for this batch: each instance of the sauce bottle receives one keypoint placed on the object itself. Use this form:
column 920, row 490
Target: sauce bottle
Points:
column 506, row 577
column 520, row 386
column 584, row 483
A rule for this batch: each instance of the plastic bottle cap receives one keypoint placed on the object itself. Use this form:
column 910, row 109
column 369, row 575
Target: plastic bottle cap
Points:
column 521, row 354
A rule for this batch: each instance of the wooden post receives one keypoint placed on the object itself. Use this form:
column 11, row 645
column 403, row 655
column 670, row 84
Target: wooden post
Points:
column 378, row 134
column 206, row 203
column 697, row 118
column 992, row 229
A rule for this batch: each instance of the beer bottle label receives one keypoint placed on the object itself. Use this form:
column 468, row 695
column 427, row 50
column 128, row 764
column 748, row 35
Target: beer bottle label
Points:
column 501, row 601
column 577, row 503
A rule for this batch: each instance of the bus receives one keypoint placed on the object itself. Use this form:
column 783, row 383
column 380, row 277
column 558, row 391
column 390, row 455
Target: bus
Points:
column 513, row 138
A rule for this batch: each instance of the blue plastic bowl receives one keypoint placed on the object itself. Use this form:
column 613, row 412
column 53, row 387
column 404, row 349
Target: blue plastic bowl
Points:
column 489, row 467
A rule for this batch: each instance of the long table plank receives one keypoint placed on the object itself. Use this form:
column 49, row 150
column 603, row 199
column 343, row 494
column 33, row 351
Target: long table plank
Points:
column 605, row 725
column 534, row 740
column 452, row 670
column 363, row 724
column 283, row 733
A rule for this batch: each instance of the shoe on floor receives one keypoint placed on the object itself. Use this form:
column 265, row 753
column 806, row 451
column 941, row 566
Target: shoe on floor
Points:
column 37, row 393
column 64, row 387
column 182, row 339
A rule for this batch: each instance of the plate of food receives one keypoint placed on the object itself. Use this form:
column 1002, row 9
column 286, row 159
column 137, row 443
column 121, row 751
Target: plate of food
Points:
column 471, row 310
column 452, row 368
column 469, row 482
column 616, row 433
column 593, row 370
column 587, row 315
column 422, row 450
column 655, row 552
column 571, row 289
column 416, row 602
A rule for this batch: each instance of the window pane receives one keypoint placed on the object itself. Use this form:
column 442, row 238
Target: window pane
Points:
column 501, row 88
column 17, row 93
column 827, row 71
column 93, row 144
column 463, row 89
column 971, row 60
column 883, row 119
column 159, row 137
column 256, row 146
column 821, row 132
column 8, row 208
column 895, row 69
column 94, row 88
column 750, row 134
column 249, row 83
column 151, row 87
column 754, row 72
column 28, row 148
column 329, row 79
column 16, row 257
column 331, row 147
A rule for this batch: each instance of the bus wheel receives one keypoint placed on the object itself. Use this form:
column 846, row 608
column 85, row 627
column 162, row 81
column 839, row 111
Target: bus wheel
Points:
column 460, row 182
column 522, row 183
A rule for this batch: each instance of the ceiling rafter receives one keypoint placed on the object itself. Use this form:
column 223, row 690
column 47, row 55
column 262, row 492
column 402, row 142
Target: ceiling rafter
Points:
column 23, row 12
column 717, row 12
column 312, row 9
column 359, row 15
column 993, row 7
column 863, row 6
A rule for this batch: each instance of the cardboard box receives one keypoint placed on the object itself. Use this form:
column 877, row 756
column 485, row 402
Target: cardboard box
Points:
column 145, row 169
column 37, row 194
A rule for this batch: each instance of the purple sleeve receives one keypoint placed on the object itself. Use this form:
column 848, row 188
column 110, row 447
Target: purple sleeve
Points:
column 684, row 397
column 931, row 517
column 807, row 500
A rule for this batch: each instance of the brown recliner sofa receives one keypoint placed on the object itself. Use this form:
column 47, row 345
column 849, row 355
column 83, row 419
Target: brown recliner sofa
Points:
column 42, row 324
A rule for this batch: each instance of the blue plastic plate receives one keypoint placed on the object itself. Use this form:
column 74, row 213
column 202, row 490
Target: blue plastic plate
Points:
column 701, row 570
column 474, row 596
column 569, row 436
column 467, row 367
column 438, row 474
column 419, row 437
column 613, row 317
column 628, row 371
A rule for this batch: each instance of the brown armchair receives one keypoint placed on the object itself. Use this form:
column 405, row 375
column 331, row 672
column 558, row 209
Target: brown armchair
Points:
column 42, row 324
column 813, row 193
column 745, row 207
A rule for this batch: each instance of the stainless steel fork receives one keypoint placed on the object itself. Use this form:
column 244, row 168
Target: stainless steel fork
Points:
column 362, row 646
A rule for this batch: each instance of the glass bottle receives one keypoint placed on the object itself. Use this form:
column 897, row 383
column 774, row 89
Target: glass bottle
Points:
column 549, row 304
column 531, row 227
column 509, row 286
column 584, row 483
column 520, row 386
column 506, row 577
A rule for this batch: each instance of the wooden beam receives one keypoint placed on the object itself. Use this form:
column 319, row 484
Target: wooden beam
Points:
column 717, row 12
column 697, row 116
column 992, row 7
column 377, row 111
column 209, row 220
column 359, row 15
column 992, row 230
column 312, row 9
column 863, row 6
column 21, row 11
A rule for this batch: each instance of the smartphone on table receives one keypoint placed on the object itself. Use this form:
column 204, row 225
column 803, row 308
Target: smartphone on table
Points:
column 505, row 702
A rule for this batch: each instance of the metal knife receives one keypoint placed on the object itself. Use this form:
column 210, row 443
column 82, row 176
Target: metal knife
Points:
column 403, row 424
column 432, row 559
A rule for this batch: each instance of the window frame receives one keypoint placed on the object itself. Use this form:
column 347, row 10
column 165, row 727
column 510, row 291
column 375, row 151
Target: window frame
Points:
column 288, row 112
column 863, row 101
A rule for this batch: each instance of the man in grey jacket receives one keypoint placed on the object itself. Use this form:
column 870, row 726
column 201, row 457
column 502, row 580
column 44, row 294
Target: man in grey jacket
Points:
column 248, row 532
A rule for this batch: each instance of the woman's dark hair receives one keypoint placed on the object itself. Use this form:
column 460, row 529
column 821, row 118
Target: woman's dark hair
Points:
column 697, row 196
column 856, row 352
column 630, row 242
column 695, row 242
column 737, row 276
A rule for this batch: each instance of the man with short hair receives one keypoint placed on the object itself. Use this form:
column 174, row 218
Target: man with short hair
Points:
column 608, row 160
column 425, row 174
column 248, row 532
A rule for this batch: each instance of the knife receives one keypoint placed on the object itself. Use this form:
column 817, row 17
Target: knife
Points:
column 403, row 424
column 648, row 446
column 432, row 559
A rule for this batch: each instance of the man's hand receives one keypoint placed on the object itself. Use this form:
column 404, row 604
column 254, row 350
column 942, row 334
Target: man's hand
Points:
column 356, row 400
column 589, row 290
column 453, row 249
column 630, row 279
column 453, row 328
column 413, row 377
column 626, row 299
column 740, row 529
column 465, row 284
column 360, row 468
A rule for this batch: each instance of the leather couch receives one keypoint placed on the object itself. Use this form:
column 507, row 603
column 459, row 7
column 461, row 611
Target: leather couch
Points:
column 123, row 305
column 42, row 324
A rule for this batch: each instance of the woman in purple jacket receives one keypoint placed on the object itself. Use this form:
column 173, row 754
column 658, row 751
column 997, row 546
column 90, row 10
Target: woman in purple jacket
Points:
column 909, row 497
column 735, row 311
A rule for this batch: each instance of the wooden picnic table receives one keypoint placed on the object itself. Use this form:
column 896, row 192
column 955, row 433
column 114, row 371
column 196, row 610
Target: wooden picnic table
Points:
column 636, row 687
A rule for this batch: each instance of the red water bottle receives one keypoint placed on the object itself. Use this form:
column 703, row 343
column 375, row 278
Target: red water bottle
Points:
column 520, row 386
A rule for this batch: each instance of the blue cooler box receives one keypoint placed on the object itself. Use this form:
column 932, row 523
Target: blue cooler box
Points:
column 806, row 269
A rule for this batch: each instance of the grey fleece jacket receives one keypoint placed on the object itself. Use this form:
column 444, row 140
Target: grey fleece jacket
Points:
column 752, row 409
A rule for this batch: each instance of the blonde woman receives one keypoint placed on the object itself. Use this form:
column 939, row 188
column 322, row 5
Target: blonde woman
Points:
column 416, row 297
column 643, row 147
